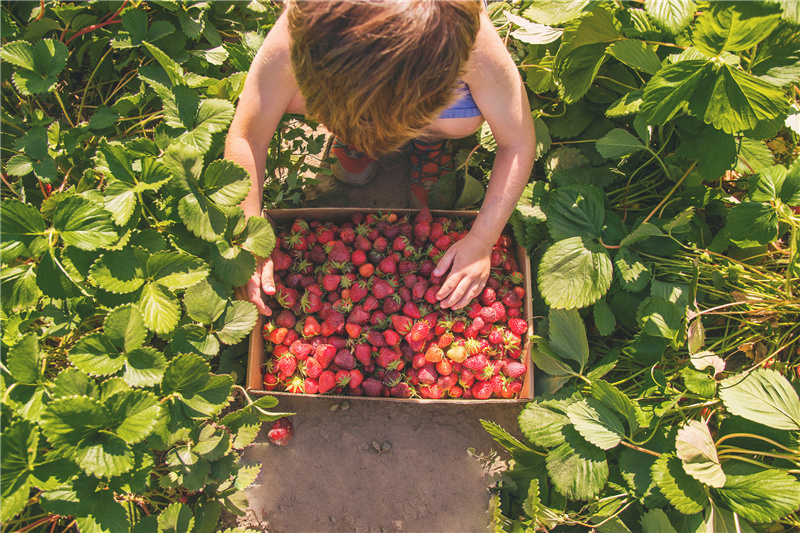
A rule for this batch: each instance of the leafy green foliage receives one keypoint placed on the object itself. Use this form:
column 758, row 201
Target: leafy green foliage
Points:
column 663, row 232
column 119, row 218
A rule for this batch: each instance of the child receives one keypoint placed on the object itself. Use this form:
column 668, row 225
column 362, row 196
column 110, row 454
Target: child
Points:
column 378, row 74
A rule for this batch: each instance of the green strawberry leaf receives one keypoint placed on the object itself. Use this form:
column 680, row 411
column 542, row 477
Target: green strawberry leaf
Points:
column 185, row 375
column 234, row 265
column 660, row 317
column 39, row 65
column 636, row 54
column 618, row 143
column 191, row 338
column 177, row 518
column 766, row 185
column 257, row 237
column 125, row 328
column 612, row 397
column 672, row 16
column 134, row 414
column 684, row 492
column 596, row 423
column 568, row 335
column 236, row 322
column 578, row 470
column 24, row 360
column 121, row 271
column 752, row 224
column 656, row 521
column 542, row 420
column 734, row 27
column 575, row 211
column 212, row 442
column 604, row 318
column 95, row 355
column 95, row 511
column 144, row 367
column 17, row 461
column 175, row 270
column 574, row 273
column 160, row 308
column 21, row 223
column 84, row 224
column 695, row 448
column 205, row 301
column 763, row 396
column 582, row 51
column 760, row 495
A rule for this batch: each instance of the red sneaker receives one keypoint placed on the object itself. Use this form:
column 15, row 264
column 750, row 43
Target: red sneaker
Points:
column 429, row 162
column 351, row 166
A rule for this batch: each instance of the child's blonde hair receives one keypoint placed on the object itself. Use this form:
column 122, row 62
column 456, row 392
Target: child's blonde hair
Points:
column 378, row 72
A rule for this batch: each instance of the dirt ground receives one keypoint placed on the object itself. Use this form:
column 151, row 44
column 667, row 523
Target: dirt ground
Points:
column 378, row 466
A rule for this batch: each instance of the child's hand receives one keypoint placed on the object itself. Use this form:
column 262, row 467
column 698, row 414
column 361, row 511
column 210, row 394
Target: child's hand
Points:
column 469, row 263
column 262, row 279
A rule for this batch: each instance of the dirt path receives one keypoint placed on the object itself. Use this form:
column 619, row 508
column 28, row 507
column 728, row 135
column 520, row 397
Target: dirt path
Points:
column 436, row 464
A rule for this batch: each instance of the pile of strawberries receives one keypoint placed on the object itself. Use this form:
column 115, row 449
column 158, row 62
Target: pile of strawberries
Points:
column 356, row 313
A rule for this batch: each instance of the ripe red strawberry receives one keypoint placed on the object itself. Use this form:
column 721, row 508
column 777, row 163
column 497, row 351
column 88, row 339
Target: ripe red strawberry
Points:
column 344, row 359
column 347, row 234
column 330, row 282
column 311, row 327
column 382, row 289
column 512, row 299
column 353, row 330
column 481, row 390
column 372, row 386
column 422, row 230
column 325, row 353
column 280, row 261
column 430, row 294
column 443, row 243
column 427, row 375
column 287, row 365
column 312, row 367
column 388, row 265
column 338, row 253
column 401, row 390
column 375, row 338
column 281, row 432
column 356, row 378
column 342, row 378
column 445, row 339
column 277, row 335
column 458, row 326
column 411, row 310
column 466, row 378
column 499, row 311
column 446, row 382
column 300, row 349
column 419, row 288
column 498, row 384
column 327, row 381
column 310, row 386
column 495, row 336
column 392, row 305
column 418, row 360
column 434, row 354
column 518, row 326
column 455, row 391
column 488, row 314
column 432, row 392
column 488, row 296
column 419, row 331
column 358, row 316
column 426, row 268
column 386, row 356
column 401, row 324
column 391, row 336
column 270, row 381
column 362, row 353
column 514, row 369
column 444, row 367
column 476, row 363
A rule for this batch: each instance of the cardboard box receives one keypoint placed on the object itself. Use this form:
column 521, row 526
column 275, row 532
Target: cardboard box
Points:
column 256, row 353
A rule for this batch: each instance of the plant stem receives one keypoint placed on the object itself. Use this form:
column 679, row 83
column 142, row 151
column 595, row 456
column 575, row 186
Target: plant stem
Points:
column 64, row 109
column 89, row 81
column 640, row 449
column 674, row 188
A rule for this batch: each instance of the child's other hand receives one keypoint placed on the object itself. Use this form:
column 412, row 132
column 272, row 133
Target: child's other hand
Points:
column 469, row 263
column 262, row 279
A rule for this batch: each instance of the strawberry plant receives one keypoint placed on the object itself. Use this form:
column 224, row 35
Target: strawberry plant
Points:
column 664, row 238
column 122, row 241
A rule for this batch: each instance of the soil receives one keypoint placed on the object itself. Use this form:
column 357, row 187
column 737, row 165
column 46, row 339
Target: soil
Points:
column 378, row 466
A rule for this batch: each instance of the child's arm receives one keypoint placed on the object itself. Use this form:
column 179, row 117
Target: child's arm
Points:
column 498, row 91
column 266, row 96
